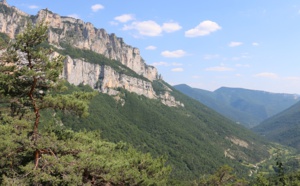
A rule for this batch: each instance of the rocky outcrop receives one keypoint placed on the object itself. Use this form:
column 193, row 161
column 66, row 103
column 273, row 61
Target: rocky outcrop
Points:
column 104, row 78
column 169, row 100
column 3, row 2
column 12, row 20
column 85, row 36
column 80, row 34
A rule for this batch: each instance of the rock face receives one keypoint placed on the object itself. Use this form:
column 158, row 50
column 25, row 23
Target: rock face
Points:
column 169, row 100
column 3, row 1
column 104, row 78
column 80, row 35
column 85, row 36
column 12, row 20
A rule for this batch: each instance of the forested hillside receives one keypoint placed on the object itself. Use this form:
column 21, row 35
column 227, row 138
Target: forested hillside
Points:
column 247, row 107
column 283, row 127
column 195, row 139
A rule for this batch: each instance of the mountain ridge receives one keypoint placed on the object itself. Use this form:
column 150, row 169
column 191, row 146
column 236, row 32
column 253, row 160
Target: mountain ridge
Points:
column 249, row 107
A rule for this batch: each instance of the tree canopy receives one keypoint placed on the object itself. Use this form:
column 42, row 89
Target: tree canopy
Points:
column 30, row 82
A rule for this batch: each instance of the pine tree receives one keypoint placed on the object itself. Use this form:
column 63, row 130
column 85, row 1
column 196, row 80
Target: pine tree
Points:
column 223, row 177
column 30, row 83
column 29, row 73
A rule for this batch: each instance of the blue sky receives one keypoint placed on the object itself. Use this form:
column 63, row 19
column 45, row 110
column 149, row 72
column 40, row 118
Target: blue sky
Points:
column 205, row 44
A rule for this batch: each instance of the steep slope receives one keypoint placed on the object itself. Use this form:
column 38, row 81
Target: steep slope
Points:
column 195, row 139
column 138, row 107
column 248, row 107
column 283, row 127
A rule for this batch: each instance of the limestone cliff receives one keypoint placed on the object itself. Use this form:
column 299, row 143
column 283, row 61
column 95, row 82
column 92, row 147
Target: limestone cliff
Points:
column 12, row 20
column 104, row 78
column 85, row 36
column 80, row 34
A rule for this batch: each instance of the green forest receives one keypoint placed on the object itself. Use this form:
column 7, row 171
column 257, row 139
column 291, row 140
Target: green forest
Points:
column 286, row 134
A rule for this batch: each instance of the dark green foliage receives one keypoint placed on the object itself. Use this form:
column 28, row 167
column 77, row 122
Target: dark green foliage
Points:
column 158, row 87
column 223, row 176
column 57, row 30
column 248, row 107
column 4, row 40
column 279, row 176
column 283, row 127
column 193, row 137
column 52, row 155
column 74, row 158
column 279, row 169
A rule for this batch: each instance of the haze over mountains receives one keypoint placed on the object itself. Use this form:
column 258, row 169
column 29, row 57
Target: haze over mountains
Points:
column 244, row 106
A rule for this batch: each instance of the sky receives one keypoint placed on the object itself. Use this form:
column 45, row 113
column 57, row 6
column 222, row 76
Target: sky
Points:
column 205, row 44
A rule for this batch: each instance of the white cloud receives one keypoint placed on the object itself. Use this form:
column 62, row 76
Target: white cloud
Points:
column 151, row 28
column 124, row 18
column 171, row 27
column 211, row 56
column 204, row 28
column 173, row 54
column 151, row 47
column 255, row 44
column 196, row 77
column 74, row 16
column 292, row 78
column 266, row 75
column 235, row 58
column 97, row 7
column 234, row 44
column 160, row 64
column 177, row 69
column 242, row 65
column 176, row 64
column 242, row 56
column 219, row 69
column 33, row 7
column 113, row 23
column 145, row 28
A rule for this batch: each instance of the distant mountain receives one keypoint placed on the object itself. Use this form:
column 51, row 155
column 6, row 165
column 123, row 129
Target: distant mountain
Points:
column 248, row 107
column 283, row 128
